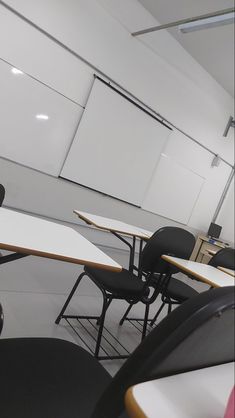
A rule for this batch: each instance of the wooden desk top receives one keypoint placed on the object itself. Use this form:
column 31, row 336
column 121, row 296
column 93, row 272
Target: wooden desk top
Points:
column 113, row 225
column 199, row 394
column 202, row 272
column 228, row 271
column 30, row 235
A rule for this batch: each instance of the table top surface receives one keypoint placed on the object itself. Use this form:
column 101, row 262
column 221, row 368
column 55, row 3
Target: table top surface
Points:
column 228, row 271
column 31, row 235
column 203, row 272
column 198, row 394
column 213, row 241
column 113, row 225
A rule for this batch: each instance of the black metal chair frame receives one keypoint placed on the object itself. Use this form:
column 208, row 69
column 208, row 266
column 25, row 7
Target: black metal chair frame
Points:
column 165, row 300
column 150, row 264
column 107, row 299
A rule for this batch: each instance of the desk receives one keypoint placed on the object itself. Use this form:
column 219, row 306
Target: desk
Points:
column 197, row 394
column 203, row 272
column 28, row 235
column 117, row 228
column 228, row 271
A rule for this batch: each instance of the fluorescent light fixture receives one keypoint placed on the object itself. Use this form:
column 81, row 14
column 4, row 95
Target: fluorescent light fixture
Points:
column 16, row 71
column 210, row 22
column 42, row 117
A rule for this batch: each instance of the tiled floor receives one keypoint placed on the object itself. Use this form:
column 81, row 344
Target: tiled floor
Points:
column 33, row 290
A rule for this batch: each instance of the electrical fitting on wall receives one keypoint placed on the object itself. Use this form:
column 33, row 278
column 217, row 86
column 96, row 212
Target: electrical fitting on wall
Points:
column 230, row 124
column 216, row 161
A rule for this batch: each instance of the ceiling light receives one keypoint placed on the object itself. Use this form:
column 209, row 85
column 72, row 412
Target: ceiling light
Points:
column 42, row 117
column 217, row 18
column 210, row 22
column 16, row 71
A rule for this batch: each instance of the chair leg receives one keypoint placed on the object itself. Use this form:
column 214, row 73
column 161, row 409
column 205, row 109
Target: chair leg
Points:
column 106, row 303
column 157, row 314
column 145, row 322
column 69, row 297
column 169, row 308
column 126, row 313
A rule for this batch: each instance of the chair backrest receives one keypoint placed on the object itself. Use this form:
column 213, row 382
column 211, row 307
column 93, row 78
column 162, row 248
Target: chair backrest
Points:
column 224, row 258
column 2, row 194
column 168, row 240
column 1, row 318
column 199, row 333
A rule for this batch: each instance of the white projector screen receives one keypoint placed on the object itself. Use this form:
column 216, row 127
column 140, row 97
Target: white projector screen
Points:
column 116, row 147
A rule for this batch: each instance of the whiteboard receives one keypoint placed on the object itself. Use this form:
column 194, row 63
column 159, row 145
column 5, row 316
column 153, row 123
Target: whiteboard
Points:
column 173, row 191
column 41, row 143
column 197, row 159
column 116, row 146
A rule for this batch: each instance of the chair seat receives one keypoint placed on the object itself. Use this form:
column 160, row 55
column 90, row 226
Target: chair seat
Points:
column 48, row 378
column 123, row 284
column 179, row 290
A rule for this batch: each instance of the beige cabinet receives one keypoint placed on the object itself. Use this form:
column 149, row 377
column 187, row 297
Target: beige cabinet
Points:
column 204, row 249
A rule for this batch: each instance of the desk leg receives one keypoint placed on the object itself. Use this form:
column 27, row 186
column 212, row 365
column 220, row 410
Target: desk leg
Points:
column 11, row 257
column 132, row 255
column 131, row 247
column 140, row 252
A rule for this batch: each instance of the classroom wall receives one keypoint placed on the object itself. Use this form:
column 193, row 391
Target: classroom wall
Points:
column 226, row 215
column 174, row 85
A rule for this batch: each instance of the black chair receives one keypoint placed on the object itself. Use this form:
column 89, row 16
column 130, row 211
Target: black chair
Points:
column 224, row 258
column 177, row 292
column 2, row 194
column 174, row 291
column 51, row 378
column 135, row 288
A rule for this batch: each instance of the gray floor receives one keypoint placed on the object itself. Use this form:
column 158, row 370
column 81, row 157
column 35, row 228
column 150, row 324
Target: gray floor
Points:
column 33, row 290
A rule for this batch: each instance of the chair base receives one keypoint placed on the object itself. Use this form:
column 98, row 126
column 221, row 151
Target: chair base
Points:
column 89, row 325
column 98, row 330
column 136, row 322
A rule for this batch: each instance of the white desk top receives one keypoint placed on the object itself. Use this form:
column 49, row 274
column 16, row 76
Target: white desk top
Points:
column 203, row 272
column 114, row 225
column 30, row 235
column 228, row 271
column 199, row 394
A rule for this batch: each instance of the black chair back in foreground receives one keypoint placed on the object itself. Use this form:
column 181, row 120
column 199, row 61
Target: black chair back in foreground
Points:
column 2, row 194
column 224, row 258
column 46, row 377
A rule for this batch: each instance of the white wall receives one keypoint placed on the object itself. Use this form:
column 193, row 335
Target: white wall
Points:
column 88, row 29
column 226, row 216
column 32, row 191
column 174, row 85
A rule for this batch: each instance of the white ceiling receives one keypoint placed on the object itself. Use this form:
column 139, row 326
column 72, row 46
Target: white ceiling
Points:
column 212, row 48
